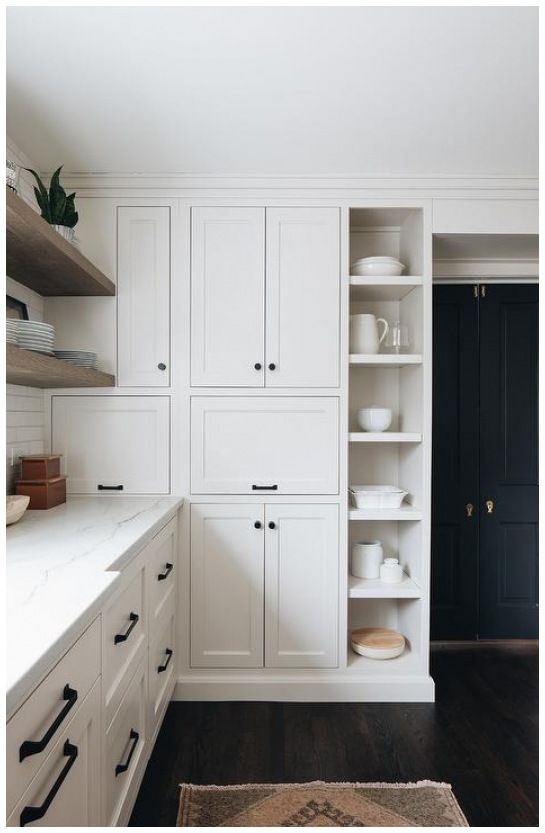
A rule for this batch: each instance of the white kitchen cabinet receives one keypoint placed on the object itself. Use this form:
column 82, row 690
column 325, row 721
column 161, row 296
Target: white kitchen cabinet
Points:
column 161, row 573
column 113, row 443
column 143, row 296
column 302, row 297
column 162, row 669
column 301, row 585
column 264, row 445
column 66, row 790
column 227, row 585
column 227, row 296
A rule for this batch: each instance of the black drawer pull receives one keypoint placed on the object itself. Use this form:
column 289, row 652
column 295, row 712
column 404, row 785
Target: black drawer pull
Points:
column 33, row 747
column 265, row 488
column 30, row 814
column 169, row 569
column 161, row 668
column 134, row 736
column 121, row 637
column 102, row 488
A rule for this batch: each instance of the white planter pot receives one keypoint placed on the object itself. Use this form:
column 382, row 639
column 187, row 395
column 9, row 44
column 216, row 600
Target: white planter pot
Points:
column 66, row 232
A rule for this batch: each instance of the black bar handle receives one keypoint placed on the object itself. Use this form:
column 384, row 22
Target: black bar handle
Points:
column 102, row 488
column 161, row 668
column 169, row 569
column 134, row 736
column 121, row 637
column 273, row 488
column 34, row 747
column 30, row 814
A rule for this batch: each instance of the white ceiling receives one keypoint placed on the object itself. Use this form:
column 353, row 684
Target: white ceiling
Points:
column 271, row 90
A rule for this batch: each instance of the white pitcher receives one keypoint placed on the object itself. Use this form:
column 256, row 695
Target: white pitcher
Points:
column 364, row 335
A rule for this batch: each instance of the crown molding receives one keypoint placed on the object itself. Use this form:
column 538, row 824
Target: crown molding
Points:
column 477, row 268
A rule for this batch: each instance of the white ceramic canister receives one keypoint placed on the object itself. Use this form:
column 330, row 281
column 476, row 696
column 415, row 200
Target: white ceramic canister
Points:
column 366, row 559
column 391, row 571
column 364, row 335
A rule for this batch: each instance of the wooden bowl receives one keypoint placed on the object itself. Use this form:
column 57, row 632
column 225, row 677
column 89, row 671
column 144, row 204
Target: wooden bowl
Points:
column 377, row 643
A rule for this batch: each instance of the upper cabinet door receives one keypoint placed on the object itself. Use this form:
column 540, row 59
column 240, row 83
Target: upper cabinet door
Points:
column 303, row 297
column 227, row 296
column 143, row 296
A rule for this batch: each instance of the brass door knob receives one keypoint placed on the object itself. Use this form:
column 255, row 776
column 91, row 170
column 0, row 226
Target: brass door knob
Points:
column 489, row 506
column 469, row 509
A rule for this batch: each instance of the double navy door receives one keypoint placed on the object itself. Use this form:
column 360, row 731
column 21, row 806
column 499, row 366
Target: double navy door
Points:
column 485, row 462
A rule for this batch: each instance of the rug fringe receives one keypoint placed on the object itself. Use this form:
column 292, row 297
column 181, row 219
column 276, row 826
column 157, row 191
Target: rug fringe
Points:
column 372, row 784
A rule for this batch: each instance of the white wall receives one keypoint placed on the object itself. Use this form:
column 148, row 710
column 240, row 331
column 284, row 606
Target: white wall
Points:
column 24, row 406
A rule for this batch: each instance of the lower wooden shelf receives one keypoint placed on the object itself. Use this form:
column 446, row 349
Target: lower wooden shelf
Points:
column 25, row 367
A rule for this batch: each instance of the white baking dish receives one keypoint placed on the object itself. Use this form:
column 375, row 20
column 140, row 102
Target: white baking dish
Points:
column 377, row 266
column 377, row 497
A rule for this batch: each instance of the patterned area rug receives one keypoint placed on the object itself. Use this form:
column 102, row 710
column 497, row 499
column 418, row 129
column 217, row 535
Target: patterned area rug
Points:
column 317, row 804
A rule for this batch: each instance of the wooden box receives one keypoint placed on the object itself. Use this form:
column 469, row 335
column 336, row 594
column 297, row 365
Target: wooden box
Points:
column 43, row 494
column 40, row 466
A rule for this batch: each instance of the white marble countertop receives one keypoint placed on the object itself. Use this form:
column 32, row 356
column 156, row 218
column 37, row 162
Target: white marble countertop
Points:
column 61, row 565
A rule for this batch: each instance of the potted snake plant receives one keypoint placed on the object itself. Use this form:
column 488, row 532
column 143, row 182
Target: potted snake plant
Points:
column 57, row 207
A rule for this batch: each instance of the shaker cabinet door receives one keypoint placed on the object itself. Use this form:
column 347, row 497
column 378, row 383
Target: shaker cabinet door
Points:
column 301, row 585
column 143, row 296
column 227, row 585
column 227, row 296
column 303, row 297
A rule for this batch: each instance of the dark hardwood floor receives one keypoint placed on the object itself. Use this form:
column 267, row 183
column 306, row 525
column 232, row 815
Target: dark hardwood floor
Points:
column 481, row 736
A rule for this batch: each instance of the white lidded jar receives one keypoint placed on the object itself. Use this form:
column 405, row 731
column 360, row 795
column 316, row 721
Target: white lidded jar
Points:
column 391, row 571
column 366, row 559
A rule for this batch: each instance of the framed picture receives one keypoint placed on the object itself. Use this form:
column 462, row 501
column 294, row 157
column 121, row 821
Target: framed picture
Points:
column 16, row 309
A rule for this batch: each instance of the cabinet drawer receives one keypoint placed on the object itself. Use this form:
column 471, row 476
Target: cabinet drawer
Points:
column 74, row 761
column 162, row 666
column 125, row 744
column 124, row 639
column 113, row 444
column 45, row 715
column 264, row 445
column 161, row 573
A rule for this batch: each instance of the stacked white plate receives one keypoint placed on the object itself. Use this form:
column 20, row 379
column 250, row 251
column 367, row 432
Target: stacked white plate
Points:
column 11, row 330
column 377, row 266
column 81, row 358
column 36, row 335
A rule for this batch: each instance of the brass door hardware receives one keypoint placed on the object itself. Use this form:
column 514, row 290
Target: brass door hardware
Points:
column 489, row 506
column 476, row 291
column 483, row 291
column 469, row 509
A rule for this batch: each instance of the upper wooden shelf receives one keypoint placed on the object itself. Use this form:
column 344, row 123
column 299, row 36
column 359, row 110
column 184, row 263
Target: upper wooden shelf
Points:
column 25, row 367
column 38, row 257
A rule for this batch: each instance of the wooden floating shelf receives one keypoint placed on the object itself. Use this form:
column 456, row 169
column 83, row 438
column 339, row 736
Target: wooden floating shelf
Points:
column 38, row 257
column 385, row 359
column 35, row 370
column 374, row 588
column 404, row 513
column 382, row 289
column 384, row 437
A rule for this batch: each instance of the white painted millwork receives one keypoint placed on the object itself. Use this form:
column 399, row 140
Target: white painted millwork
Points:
column 227, row 567
column 162, row 652
column 301, row 585
column 302, row 321
column 227, row 296
column 161, row 573
column 78, row 801
column 143, row 296
column 244, row 445
column 113, row 441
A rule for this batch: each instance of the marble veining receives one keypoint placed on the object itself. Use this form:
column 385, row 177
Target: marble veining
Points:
column 61, row 566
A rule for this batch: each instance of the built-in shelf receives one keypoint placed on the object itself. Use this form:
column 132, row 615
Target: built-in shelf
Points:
column 407, row 663
column 38, row 257
column 385, row 359
column 35, row 370
column 382, row 289
column 384, row 437
column 404, row 513
column 374, row 588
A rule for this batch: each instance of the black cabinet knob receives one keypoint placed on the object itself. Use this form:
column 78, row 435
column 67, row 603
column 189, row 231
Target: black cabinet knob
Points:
column 257, row 366
column 272, row 525
column 258, row 524
column 162, row 366
column 272, row 366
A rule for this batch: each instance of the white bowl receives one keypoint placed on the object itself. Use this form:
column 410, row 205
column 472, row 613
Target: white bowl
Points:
column 377, row 497
column 374, row 418
column 377, row 266
column 16, row 506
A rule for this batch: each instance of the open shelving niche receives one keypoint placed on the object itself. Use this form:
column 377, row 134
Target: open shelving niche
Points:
column 394, row 457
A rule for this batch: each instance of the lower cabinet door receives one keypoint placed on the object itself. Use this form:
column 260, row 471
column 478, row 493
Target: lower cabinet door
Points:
column 301, row 585
column 66, row 789
column 161, row 670
column 227, row 585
